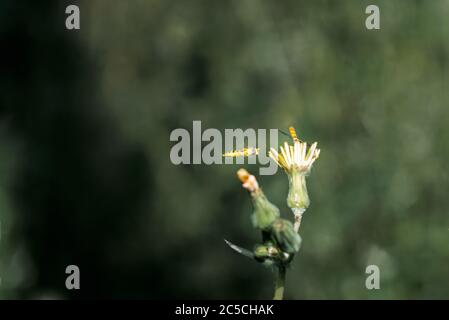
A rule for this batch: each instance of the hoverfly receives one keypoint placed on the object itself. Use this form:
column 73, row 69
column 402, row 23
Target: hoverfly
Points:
column 245, row 152
column 292, row 134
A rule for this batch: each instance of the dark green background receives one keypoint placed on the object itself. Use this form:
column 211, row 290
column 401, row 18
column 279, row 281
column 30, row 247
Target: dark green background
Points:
column 85, row 119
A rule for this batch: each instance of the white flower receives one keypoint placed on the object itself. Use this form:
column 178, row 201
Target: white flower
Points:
column 297, row 161
column 295, row 158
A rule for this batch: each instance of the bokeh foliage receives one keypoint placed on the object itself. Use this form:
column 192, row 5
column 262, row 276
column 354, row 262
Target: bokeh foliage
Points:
column 85, row 118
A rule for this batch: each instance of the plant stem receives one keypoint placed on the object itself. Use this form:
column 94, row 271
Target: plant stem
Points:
column 298, row 212
column 279, row 283
column 297, row 224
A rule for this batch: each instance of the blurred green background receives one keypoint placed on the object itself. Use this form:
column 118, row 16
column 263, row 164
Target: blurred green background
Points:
column 85, row 119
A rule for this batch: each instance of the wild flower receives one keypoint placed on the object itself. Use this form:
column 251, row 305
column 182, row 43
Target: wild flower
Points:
column 297, row 161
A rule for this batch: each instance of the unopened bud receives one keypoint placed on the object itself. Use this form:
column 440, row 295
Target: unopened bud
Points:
column 284, row 235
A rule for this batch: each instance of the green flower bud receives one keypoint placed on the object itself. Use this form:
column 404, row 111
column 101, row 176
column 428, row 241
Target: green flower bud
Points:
column 265, row 251
column 264, row 212
column 283, row 233
column 267, row 254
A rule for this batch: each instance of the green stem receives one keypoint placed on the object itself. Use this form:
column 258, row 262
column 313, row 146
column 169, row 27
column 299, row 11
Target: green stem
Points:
column 279, row 283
